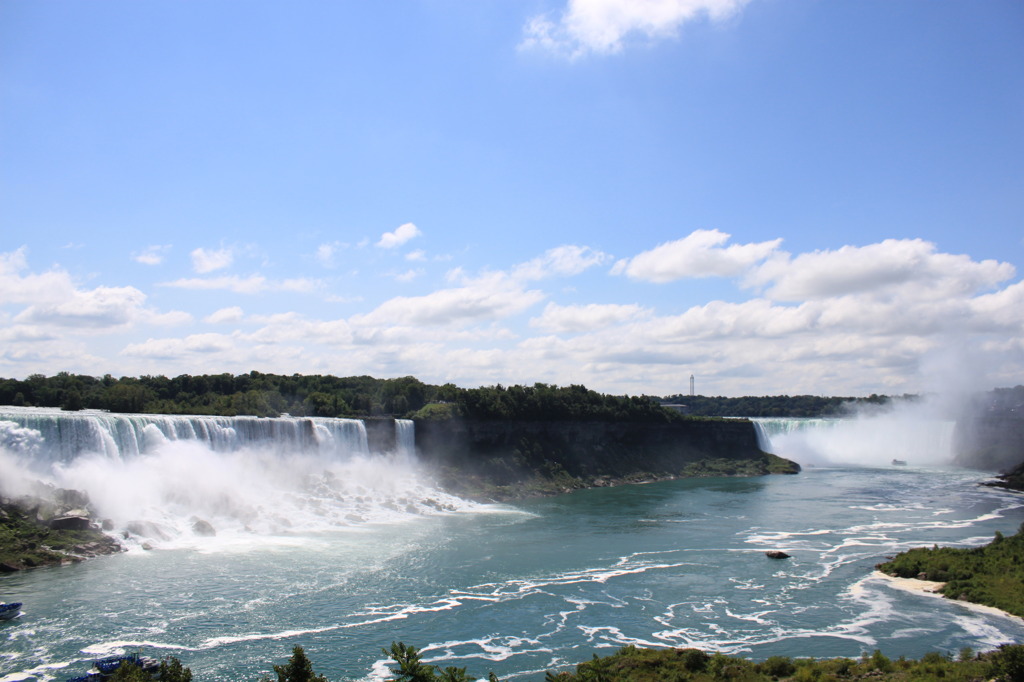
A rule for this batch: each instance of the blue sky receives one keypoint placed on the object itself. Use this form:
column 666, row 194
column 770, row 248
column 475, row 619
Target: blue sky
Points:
column 777, row 196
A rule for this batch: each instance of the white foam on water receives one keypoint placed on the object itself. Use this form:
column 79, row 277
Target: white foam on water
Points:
column 214, row 642
column 986, row 633
column 122, row 647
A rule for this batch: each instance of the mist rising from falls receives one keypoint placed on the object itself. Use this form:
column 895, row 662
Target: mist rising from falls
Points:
column 908, row 432
column 157, row 476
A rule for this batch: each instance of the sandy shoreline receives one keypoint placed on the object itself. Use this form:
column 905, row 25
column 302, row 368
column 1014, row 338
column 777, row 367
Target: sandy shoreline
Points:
column 931, row 588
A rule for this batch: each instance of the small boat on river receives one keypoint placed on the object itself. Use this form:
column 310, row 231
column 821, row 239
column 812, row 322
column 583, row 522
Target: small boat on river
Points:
column 8, row 611
column 899, row 463
column 108, row 665
column 104, row 668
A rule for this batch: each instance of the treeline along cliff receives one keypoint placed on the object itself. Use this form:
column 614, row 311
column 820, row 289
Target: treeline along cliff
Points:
column 493, row 441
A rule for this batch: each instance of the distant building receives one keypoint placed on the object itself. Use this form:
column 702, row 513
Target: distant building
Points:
column 691, row 385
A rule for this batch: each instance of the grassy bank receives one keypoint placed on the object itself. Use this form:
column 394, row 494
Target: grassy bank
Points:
column 992, row 575
column 554, row 480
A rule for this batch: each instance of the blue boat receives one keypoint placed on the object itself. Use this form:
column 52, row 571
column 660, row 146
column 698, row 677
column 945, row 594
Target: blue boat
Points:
column 8, row 611
column 108, row 665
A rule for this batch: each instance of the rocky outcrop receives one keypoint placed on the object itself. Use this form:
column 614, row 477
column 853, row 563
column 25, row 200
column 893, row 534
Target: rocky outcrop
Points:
column 71, row 522
column 1012, row 479
column 499, row 456
column 50, row 526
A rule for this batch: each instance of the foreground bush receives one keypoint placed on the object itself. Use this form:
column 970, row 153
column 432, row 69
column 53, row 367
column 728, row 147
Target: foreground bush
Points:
column 631, row 664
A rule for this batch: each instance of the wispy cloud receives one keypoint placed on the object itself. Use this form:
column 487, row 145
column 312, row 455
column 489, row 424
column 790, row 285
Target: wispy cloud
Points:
column 152, row 255
column 253, row 284
column 409, row 275
column 326, row 253
column 207, row 260
column 603, row 26
column 561, row 261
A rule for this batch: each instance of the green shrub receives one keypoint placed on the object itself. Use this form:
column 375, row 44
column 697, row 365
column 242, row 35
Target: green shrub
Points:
column 777, row 666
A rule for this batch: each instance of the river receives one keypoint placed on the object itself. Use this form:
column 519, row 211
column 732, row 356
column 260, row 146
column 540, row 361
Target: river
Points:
column 517, row 589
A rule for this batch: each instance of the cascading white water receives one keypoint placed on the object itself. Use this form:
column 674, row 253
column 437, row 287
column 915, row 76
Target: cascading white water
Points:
column 405, row 436
column 158, row 475
column 907, row 435
column 67, row 435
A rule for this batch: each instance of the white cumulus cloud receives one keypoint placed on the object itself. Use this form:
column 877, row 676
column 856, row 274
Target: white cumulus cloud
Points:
column 488, row 297
column 561, row 319
column 225, row 315
column 700, row 254
column 100, row 308
column 401, row 235
column 602, row 26
column 910, row 266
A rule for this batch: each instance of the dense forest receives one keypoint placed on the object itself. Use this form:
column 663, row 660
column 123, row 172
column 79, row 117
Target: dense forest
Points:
column 270, row 395
column 773, row 406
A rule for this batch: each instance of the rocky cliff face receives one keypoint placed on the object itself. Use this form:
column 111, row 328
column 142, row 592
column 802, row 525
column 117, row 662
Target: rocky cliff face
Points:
column 521, row 457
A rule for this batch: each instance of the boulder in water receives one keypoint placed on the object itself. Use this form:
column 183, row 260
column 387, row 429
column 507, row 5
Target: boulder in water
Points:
column 201, row 527
column 776, row 554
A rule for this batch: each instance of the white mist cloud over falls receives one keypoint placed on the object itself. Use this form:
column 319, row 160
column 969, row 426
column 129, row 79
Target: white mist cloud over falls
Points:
column 248, row 491
column 908, row 431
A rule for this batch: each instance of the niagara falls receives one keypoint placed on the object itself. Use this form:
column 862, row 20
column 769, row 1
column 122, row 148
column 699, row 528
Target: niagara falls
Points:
column 310, row 536
column 557, row 340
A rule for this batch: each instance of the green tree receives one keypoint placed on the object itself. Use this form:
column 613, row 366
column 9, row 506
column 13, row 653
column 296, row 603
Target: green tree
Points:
column 129, row 672
column 297, row 669
column 171, row 670
column 410, row 667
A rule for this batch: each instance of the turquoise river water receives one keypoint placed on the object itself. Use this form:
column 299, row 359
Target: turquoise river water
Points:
column 522, row 588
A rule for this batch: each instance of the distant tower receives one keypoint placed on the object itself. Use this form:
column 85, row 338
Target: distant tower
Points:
column 691, row 384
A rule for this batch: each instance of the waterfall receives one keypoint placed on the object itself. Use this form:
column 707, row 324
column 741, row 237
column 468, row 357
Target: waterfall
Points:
column 156, row 476
column 68, row 435
column 405, row 436
column 862, row 440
